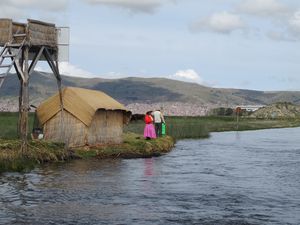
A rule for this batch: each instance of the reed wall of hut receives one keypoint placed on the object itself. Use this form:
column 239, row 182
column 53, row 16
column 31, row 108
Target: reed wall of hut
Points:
column 106, row 128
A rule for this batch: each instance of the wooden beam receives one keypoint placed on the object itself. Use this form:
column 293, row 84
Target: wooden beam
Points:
column 19, row 70
column 51, row 64
column 35, row 60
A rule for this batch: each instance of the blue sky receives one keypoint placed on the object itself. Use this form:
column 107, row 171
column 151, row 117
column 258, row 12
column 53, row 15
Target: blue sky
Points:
column 249, row 44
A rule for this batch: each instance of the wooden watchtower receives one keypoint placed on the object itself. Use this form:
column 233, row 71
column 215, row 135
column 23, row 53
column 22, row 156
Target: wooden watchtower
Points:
column 23, row 45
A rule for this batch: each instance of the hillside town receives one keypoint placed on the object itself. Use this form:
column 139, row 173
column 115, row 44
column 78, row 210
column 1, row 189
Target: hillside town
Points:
column 172, row 108
column 168, row 108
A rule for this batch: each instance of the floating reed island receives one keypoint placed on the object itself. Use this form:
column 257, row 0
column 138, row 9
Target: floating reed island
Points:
column 88, row 124
column 39, row 152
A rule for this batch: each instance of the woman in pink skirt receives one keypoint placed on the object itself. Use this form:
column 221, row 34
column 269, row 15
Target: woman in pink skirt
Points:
column 149, row 130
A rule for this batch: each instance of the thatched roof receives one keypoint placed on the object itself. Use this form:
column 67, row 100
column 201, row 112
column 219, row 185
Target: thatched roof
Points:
column 81, row 103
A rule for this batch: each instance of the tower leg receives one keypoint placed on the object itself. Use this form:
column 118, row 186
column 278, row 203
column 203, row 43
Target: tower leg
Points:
column 24, row 117
column 24, row 104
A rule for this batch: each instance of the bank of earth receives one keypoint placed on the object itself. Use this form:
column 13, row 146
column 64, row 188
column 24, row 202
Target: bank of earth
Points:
column 134, row 146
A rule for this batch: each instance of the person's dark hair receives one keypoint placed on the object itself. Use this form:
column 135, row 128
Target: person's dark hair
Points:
column 149, row 112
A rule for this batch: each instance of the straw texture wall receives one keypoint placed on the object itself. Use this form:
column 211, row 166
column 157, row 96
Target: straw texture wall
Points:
column 5, row 30
column 41, row 33
column 106, row 128
column 18, row 28
column 73, row 134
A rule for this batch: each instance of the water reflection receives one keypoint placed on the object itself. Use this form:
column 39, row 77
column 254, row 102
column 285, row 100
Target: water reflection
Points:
column 232, row 178
column 148, row 171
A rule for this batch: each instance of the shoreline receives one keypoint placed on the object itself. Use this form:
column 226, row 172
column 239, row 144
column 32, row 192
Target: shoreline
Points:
column 133, row 146
column 40, row 152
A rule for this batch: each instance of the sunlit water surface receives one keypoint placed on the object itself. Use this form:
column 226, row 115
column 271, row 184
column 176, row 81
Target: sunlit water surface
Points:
column 250, row 177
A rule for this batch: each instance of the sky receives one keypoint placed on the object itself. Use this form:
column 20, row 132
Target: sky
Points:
column 245, row 44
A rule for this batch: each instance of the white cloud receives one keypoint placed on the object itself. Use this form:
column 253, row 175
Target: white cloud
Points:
column 17, row 9
column 8, row 11
column 188, row 75
column 263, row 7
column 288, row 29
column 68, row 69
column 52, row 5
column 145, row 6
column 223, row 22
column 278, row 36
column 294, row 24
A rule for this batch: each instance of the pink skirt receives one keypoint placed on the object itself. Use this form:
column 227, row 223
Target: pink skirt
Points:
column 149, row 131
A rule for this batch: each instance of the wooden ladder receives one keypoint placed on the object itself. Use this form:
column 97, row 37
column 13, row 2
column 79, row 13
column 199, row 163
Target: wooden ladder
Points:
column 10, row 51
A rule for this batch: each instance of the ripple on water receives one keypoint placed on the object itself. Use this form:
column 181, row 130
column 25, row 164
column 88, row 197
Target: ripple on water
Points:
column 231, row 178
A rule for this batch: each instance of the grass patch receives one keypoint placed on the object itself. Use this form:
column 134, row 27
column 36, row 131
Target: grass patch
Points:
column 12, row 159
column 134, row 146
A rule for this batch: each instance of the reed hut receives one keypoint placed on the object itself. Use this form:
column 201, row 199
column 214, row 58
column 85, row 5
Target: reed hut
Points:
column 87, row 117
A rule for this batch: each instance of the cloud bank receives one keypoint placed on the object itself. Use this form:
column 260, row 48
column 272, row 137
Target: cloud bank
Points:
column 262, row 7
column 223, row 22
column 134, row 6
column 274, row 19
column 17, row 9
column 68, row 69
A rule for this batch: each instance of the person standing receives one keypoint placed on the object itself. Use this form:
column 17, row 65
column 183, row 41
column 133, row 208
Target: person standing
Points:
column 149, row 131
column 158, row 120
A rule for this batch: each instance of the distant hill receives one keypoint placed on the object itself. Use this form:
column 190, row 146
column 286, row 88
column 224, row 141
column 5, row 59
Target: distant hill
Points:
column 278, row 110
column 156, row 92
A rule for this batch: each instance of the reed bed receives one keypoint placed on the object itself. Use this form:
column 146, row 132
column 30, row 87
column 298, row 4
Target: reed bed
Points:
column 9, row 124
column 176, row 127
column 200, row 127
column 12, row 159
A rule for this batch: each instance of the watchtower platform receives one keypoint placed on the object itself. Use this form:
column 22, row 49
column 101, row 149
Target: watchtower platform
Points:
column 36, row 33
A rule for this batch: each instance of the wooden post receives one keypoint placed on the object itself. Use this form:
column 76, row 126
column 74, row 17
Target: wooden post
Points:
column 24, row 103
column 237, row 111
column 20, row 62
column 20, row 106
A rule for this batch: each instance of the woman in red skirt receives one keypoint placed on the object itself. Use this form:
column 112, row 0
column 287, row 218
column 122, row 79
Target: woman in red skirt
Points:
column 149, row 130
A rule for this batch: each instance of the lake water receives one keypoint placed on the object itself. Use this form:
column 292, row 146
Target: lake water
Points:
column 250, row 177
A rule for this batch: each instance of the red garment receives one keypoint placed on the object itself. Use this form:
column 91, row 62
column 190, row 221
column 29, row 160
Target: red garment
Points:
column 148, row 119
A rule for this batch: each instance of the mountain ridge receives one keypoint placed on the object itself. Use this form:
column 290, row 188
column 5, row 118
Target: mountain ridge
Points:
column 140, row 93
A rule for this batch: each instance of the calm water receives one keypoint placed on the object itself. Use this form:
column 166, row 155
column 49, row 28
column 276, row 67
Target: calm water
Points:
column 250, row 177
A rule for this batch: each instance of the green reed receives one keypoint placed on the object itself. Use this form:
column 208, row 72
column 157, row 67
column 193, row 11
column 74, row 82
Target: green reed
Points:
column 177, row 127
column 9, row 124
column 180, row 127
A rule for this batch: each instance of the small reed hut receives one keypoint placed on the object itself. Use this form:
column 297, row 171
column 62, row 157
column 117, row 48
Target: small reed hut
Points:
column 88, row 117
